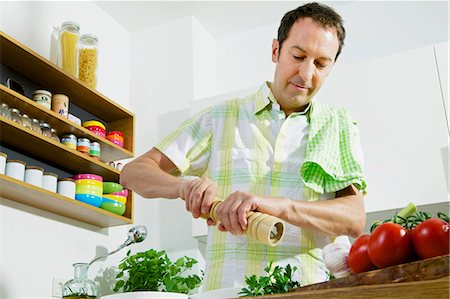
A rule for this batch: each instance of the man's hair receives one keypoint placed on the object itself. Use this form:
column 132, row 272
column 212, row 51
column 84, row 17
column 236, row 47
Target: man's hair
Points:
column 320, row 13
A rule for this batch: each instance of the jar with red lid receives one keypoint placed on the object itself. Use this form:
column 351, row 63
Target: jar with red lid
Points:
column 116, row 137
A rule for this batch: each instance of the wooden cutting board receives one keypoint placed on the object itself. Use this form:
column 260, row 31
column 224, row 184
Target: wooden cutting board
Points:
column 426, row 279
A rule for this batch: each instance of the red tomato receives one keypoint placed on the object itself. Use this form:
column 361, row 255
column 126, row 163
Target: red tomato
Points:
column 358, row 258
column 389, row 245
column 431, row 238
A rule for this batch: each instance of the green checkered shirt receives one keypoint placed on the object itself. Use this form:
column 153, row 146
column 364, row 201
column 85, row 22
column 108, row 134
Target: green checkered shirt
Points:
column 248, row 144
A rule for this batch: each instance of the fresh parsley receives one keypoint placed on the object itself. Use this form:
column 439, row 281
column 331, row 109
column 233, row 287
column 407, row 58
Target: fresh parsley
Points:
column 279, row 280
column 153, row 271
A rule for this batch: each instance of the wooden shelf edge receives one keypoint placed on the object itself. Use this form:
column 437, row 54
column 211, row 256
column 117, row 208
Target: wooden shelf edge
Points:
column 7, row 41
column 121, row 153
column 18, row 191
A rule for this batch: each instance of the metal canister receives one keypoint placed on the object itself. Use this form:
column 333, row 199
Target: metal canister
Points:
column 69, row 140
column 95, row 150
column 83, row 145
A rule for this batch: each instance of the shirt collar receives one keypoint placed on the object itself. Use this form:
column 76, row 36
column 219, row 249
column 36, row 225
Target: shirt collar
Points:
column 265, row 97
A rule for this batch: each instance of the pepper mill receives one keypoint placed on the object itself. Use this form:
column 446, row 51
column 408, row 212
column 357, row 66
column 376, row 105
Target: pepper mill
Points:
column 265, row 228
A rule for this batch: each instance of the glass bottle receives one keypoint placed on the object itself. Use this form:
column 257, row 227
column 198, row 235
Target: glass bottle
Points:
column 68, row 44
column 15, row 116
column 4, row 111
column 46, row 129
column 35, row 125
column 87, row 60
column 54, row 135
column 26, row 122
column 80, row 286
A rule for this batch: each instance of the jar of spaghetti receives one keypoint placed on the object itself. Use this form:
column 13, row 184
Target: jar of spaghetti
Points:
column 68, row 42
column 87, row 60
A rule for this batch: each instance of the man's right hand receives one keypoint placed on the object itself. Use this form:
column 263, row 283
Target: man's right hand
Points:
column 198, row 195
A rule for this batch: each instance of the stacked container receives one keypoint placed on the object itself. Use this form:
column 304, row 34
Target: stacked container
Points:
column 116, row 137
column 114, row 198
column 95, row 127
column 89, row 188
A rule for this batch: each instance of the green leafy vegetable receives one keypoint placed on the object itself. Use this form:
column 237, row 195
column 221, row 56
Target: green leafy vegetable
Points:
column 278, row 281
column 153, row 271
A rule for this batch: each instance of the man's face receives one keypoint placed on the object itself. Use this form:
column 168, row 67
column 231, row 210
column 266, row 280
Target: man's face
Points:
column 306, row 59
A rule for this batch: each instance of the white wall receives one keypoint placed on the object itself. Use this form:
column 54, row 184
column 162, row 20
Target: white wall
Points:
column 35, row 245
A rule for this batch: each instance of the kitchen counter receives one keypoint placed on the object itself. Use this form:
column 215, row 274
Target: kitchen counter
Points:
column 426, row 279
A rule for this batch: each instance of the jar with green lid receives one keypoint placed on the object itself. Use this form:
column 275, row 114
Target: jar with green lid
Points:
column 68, row 42
column 87, row 60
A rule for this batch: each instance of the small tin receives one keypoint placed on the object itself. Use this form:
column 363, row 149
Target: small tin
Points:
column 94, row 149
column 43, row 98
column 69, row 140
column 83, row 145
column 15, row 169
column 66, row 187
column 34, row 175
column 50, row 181
column 60, row 104
column 3, row 157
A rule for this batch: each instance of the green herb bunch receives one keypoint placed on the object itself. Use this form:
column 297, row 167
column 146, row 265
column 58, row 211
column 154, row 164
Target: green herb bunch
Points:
column 278, row 281
column 153, row 271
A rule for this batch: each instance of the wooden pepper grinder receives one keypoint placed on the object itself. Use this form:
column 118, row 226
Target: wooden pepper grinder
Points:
column 265, row 228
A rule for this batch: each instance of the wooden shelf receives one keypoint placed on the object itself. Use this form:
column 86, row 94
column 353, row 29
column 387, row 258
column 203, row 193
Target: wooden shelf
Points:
column 48, row 150
column 38, row 69
column 25, row 193
column 109, row 151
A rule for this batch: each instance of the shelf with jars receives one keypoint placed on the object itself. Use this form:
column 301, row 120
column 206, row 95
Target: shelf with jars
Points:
column 24, row 139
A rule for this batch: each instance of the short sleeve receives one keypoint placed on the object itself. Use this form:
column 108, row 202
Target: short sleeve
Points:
column 189, row 146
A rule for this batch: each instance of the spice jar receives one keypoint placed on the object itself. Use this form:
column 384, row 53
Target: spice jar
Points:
column 69, row 140
column 35, row 125
column 15, row 116
column 15, row 169
column 68, row 42
column 87, row 60
column 49, row 181
column 33, row 175
column 83, row 145
column 4, row 111
column 60, row 104
column 54, row 135
column 26, row 122
column 43, row 98
column 46, row 129
column 94, row 150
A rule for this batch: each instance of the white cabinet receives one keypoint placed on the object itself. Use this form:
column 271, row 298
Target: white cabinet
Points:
column 397, row 101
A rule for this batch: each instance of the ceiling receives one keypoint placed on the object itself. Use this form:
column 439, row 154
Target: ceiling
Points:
column 220, row 18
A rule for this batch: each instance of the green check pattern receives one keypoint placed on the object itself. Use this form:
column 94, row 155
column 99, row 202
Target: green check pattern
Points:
column 248, row 144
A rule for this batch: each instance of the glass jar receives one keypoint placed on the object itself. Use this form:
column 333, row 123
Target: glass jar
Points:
column 26, row 122
column 46, row 129
column 15, row 116
column 43, row 98
column 80, row 286
column 87, row 60
column 68, row 42
column 4, row 111
column 35, row 125
column 54, row 135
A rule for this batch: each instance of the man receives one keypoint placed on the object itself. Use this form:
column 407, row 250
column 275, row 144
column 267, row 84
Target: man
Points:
column 277, row 151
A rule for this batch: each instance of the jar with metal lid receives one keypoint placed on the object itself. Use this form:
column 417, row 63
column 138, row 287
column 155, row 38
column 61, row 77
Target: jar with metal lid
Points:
column 87, row 60
column 26, row 122
column 4, row 111
column 68, row 42
column 46, row 129
column 69, row 140
column 94, row 151
column 43, row 98
column 83, row 145
column 54, row 135
column 15, row 116
column 35, row 125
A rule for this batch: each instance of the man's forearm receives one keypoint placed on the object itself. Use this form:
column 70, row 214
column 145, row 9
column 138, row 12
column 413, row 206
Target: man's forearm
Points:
column 144, row 177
